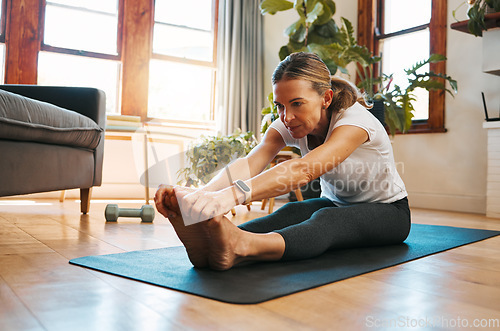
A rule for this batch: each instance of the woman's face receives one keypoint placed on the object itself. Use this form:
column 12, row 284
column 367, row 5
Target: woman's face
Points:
column 301, row 108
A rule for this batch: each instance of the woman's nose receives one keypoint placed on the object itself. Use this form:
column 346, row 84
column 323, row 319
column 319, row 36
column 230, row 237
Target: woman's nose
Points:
column 288, row 116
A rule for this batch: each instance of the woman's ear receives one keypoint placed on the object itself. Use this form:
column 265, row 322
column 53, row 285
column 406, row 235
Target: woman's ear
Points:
column 327, row 98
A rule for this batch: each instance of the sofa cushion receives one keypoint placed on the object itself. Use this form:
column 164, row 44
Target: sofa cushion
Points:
column 27, row 119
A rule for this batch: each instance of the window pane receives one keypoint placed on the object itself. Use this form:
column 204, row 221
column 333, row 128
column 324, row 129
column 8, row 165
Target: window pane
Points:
column 183, row 42
column 195, row 14
column 108, row 6
column 421, row 105
column 402, row 52
column 404, row 14
column 70, row 70
column 81, row 29
column 180, row 91
column 184, row 29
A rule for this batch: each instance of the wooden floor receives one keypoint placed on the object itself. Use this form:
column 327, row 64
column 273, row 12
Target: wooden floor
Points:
column 39, row 290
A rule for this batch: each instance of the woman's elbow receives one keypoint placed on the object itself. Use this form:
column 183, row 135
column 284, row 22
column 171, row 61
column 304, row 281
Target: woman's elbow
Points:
column 302, row 172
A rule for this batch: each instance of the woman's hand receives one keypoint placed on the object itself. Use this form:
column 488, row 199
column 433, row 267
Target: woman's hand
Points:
column 166, row 201
column 199, row 205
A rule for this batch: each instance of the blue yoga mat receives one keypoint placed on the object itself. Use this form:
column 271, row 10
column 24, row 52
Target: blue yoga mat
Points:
column 170, row 267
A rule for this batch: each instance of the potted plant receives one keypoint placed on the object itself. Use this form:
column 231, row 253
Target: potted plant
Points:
column 398, row 101
column 369, row 83
column 212, row 153
column 315, row 31
column 476, row 12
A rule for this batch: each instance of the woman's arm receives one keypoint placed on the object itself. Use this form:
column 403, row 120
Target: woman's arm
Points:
column 251, row 165
column 243, row 169
column 278, row 180
column 292, row 174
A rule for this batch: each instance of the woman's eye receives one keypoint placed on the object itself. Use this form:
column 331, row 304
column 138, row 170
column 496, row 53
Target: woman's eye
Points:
column 297, row 104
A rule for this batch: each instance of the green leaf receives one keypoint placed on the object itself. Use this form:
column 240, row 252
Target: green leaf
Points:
column 324, row 34
column 207, row 156
column 476, row 23
column 300, row 8
column 350, row 40
column 274, row 6
column 495, row 4
column 436, row 58
column 297, row 31
column 313, row 15
column 284, row 52
column 328, row 11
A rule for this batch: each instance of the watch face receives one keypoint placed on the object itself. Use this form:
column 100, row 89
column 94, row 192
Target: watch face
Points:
column 243, row 186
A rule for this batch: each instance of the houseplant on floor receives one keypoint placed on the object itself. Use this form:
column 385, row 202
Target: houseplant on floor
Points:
column 210, row 154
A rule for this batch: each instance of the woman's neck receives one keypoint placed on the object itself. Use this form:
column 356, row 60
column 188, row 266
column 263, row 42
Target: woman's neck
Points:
column 317, row 138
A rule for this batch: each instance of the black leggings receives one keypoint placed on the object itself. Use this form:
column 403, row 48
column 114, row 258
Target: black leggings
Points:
column 314, row 226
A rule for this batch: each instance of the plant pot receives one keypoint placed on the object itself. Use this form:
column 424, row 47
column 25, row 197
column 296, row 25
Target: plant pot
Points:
column 378, row 110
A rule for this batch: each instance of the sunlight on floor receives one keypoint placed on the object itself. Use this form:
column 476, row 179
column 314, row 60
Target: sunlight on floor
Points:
column 23, row 203
column 118, row 201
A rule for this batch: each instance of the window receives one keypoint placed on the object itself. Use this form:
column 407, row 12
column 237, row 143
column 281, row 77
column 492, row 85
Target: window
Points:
column 80, row 46
column 182, row 68
column 401, row 30
column 153, row 58
column 404, row 32
column 3, row 5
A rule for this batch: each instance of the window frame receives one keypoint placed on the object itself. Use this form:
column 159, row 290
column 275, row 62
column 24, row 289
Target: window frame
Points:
column 55, row 49
column 24, row 29
column 210, row 64
column 3, row 20
column 370, row 18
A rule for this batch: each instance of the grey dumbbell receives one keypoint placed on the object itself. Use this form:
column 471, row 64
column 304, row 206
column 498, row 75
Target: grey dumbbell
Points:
column 146, row 213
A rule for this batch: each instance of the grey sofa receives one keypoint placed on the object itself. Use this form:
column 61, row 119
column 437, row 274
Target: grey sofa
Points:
column 45, row 142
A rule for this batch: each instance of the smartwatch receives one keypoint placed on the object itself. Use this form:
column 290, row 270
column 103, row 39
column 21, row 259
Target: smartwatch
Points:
column 245, row 189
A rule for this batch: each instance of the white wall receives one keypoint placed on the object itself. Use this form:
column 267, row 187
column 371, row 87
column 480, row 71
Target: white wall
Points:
column 441, row 170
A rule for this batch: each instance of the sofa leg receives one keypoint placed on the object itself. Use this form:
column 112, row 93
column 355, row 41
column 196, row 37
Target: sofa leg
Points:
column 85, row 194
column 62, row 196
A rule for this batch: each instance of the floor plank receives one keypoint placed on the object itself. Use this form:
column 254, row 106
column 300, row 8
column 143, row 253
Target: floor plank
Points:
column 39, row 290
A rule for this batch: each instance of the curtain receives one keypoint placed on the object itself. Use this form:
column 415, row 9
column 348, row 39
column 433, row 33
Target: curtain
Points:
column 239, row 97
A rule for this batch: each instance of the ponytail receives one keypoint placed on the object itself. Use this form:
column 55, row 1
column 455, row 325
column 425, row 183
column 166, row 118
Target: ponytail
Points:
column 345, row 94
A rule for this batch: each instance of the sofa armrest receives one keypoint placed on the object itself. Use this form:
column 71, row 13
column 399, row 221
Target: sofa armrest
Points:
column 90, row 102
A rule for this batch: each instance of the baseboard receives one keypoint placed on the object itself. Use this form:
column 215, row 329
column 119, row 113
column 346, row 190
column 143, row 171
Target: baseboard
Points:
column 106, row 191
column 459, row 203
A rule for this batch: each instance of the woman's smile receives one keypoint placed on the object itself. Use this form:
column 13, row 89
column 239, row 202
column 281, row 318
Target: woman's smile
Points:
column 292, row 128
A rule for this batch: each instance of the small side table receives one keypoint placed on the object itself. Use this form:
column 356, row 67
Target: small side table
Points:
column 280, row 157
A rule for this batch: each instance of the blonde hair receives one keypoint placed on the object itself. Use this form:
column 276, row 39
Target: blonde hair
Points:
column 310, row 67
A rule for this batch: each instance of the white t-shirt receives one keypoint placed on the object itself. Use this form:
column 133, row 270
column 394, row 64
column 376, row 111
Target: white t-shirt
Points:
column 369, row 174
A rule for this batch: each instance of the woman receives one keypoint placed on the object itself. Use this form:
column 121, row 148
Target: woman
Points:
column 363, row 200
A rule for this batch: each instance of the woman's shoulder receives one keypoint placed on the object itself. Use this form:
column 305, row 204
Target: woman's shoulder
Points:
column 358, row 115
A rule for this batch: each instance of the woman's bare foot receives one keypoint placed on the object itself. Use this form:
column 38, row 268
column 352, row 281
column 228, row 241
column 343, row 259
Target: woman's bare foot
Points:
column 227, row 243
column 195, row 237
column 218, row 243
column 230, row 245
